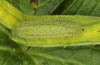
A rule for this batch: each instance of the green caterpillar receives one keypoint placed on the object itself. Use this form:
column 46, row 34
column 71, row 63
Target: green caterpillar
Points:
column 56, row 31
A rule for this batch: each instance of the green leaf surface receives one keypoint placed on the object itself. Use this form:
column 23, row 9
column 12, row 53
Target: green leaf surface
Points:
column 4, row 39
column 47, row 6
column 9, row 15
column 84, row 55
column 65, row 7
column 23, row 5
column 36, row 7
column 79, row 7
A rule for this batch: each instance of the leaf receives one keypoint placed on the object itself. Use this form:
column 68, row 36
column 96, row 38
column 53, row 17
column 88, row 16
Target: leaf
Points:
column 80, row 7
column 66, row 56
column 24, row 5
column 66, row 7
column 4, row 39
column 84, row 55
column 46, row 7
column 36, row 7
column 9, row 15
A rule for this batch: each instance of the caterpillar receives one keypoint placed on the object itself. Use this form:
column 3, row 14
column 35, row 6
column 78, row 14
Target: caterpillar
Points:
column 45, row 32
